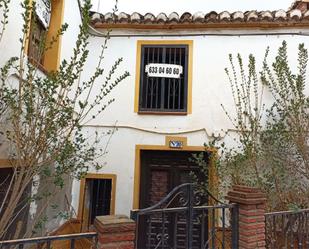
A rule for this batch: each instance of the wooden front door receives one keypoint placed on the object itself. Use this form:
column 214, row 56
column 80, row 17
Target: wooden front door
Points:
column 161, row 171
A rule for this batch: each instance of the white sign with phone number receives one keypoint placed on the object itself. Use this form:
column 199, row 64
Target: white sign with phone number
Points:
column 43, row 10
column 163, row 70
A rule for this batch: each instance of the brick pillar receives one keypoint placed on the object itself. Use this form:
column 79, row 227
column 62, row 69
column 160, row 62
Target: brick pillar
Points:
column 115, row 232
column 252, row 203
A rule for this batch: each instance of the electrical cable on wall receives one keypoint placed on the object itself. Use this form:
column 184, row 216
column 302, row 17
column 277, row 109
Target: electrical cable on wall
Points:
column 218, row 134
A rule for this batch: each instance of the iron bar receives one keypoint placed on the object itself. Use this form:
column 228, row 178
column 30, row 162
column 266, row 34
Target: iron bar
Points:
column 223, row 228
column 163, row 230
column 190, row 216
column 203, row 239
column 149, row 232
column 72, row 244
column 287, row 229
column 47, row 239
column 178, row 209
column 235, row 232
column 213, row 235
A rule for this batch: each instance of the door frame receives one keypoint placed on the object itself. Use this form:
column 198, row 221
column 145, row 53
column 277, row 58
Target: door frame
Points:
column 81, row 203
column 213, row 179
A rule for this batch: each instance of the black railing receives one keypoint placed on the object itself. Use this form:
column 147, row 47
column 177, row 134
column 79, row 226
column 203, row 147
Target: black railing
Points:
column 287, row 229
column 187, row 219
column 46, row 242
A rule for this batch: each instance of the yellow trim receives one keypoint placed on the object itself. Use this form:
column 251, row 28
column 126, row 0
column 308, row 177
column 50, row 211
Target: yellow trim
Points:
column 81, row 203
column 6, row 163
column 52, row 56
column 137, row 171
column 160, row 42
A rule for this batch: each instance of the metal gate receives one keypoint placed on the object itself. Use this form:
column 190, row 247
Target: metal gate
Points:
column 187, row 218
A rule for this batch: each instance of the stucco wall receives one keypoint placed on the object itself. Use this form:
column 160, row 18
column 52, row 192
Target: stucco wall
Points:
column 210, row 89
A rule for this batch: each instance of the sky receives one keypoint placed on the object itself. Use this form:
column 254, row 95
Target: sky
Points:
column 180, row 6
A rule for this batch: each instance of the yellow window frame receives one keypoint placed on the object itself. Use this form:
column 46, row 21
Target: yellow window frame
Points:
column 140, row 43
column 51, row 57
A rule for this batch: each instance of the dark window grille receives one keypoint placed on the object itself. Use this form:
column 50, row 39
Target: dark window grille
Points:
column 101, row 197
column 36, row 41
column 164, row 94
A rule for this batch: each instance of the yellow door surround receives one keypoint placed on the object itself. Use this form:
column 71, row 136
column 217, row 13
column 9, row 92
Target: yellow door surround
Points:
column 138, row 70
column 166, row 147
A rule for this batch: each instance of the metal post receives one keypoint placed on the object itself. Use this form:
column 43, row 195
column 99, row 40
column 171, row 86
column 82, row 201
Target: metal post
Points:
column 96, row 240
column 72, row 244
column 190, row 216
column 235, row 231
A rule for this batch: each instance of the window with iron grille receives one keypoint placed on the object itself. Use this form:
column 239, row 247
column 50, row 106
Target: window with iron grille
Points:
column 164, row 78
column 36, row 39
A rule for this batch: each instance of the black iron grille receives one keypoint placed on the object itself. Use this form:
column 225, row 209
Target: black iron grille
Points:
column 159, row 94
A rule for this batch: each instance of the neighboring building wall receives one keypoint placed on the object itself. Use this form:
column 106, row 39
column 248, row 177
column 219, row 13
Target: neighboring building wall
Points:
column 210, row 88
column 63, row 11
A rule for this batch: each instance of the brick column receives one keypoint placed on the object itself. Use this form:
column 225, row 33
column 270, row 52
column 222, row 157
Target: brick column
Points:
column 252, row 203
column 115, row 232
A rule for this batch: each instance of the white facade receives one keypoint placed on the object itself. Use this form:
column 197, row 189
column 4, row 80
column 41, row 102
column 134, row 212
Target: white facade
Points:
column 210, row 88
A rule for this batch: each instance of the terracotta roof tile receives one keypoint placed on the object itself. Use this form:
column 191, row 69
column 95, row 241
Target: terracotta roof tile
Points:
column 136, row 17
column 186, row 17
column 211, row 17
column 162, row 18
column 280, row 15
column 224, row 16
column 123, row 17
column 298, row 15
column 306, row 15
column 173, row 17
column 252, row 16
column 295, row 14
column 238, row 16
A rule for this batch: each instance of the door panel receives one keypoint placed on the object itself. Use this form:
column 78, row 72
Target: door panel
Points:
column 161, row 171
column 159, row 185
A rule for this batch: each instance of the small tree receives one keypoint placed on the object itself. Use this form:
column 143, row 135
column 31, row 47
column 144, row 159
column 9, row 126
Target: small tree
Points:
column 247, row 96
column 43, row 117
column 285, row 139
column 272, row 155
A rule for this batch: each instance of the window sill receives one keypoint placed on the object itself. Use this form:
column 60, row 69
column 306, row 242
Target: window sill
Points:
column 162, row 113
column 38, row 65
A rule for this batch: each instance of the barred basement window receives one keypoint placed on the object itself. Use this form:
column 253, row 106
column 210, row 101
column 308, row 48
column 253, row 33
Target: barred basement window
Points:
column 164, row 78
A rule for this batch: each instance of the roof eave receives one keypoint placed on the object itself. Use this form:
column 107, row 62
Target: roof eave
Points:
column 198, row 26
